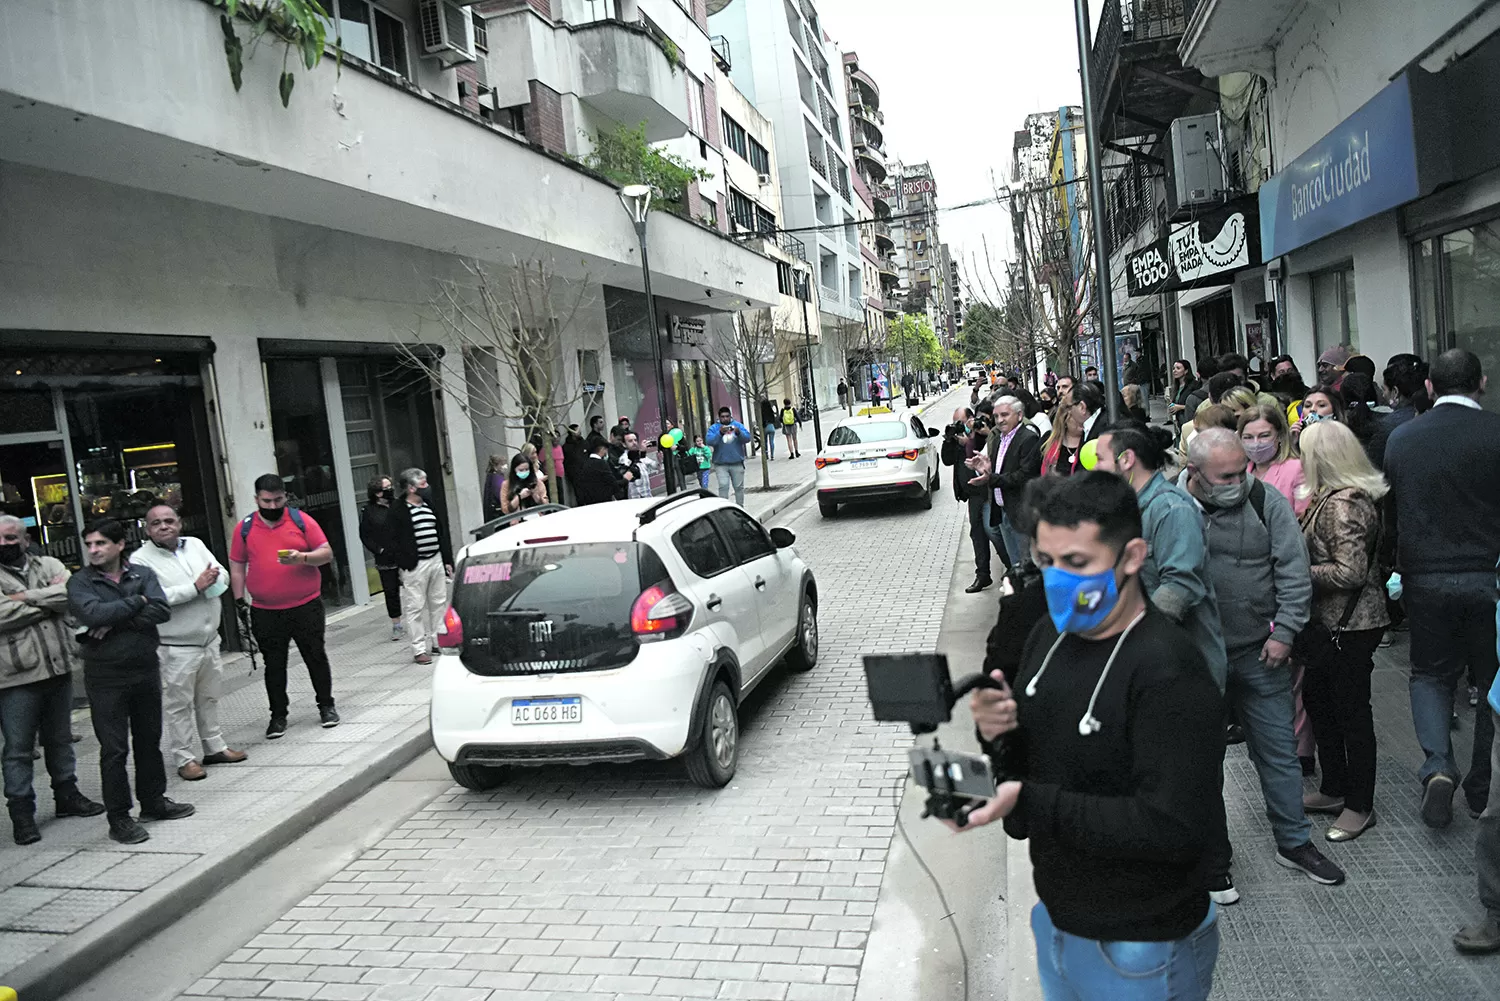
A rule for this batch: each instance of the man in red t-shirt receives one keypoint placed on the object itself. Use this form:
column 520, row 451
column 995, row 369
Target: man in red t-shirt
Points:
column 275, row 556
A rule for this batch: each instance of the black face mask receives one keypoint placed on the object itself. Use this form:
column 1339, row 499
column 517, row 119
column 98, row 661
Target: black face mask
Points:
column 426, row 494
column 11, row 553
column 272, row 513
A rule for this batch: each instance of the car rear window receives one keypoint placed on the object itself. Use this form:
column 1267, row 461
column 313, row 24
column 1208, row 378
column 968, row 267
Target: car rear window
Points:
column 865, row 434
column 552, row 608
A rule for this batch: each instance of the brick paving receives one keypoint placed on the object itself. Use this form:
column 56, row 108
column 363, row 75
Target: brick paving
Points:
column 625, row 881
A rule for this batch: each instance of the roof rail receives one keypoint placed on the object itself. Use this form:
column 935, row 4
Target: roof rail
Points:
column 489, row 528
column 649, row 515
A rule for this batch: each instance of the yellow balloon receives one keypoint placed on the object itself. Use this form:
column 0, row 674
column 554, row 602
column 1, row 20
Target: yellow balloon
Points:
column 1088, row 457
column 1294, row 412
column 667, row 440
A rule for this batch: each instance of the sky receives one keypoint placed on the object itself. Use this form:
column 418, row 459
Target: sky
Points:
column 956, row 79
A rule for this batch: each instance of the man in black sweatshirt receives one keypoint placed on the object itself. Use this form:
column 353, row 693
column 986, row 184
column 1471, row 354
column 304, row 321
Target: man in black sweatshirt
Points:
column 1110, row 750
column 119, row 605
column 1444, row 471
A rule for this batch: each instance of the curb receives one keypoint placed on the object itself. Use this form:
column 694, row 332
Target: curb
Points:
column 79, row 956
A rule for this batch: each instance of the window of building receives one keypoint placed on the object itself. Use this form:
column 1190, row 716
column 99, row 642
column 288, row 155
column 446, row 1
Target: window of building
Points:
column 481, row 32
column 697, row 115
column 1335, row 319
column 711, row 210
column 371, row 34
column 734, row 135
column 513, row 118
column 765, row 222
column 1457, row 287
column 784, row 283
column 742, row 211
column 760, row 159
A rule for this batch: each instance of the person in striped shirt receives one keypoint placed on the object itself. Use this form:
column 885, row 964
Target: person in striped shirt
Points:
column 422, row 553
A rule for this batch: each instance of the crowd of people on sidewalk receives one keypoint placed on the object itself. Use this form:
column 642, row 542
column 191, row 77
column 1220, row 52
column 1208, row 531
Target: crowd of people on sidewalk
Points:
column 1226, row 577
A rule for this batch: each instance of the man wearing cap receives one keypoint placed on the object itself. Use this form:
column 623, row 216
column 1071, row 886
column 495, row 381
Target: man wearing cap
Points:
column 1331, row 365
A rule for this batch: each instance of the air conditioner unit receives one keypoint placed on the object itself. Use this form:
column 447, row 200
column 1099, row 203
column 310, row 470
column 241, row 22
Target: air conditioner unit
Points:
column 446, row 31
column 1195, row 165
column 764, row 179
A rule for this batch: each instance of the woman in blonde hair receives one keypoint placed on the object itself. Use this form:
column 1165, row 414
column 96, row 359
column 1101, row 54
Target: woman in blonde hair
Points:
column 1239, row 399
column 1342, row 529
column 1268, row 445
column 1061, row 449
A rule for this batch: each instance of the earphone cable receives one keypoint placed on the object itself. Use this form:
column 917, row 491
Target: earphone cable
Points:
column 942, row 897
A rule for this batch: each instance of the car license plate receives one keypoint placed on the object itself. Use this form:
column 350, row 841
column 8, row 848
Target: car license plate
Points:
column 524, row 712
column 862, row 464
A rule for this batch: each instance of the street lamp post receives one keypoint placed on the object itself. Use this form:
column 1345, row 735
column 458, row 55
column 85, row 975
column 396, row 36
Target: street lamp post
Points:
column 805, row 292
column 636, row 198
column 1102, row 290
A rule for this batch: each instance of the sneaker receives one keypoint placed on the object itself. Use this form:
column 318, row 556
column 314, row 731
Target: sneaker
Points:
column 1312, row 862
column 165, row 809
column 329, row 717
column 423, row 658
column 398, row 630
column 1478, row 938
column 1437, row 801
column 1473, row 696
column 127, row 832
column 276, row 728
column 72, row 803
column 1221, row 890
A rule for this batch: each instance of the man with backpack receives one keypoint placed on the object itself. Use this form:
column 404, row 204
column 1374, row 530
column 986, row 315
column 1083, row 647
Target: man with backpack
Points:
column 274, row 560
column 1258, row 564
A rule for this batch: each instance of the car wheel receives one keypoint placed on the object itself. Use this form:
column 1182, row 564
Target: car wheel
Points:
column 479, row 778
column 716, row 752
column 827, row 508
column 804, row 654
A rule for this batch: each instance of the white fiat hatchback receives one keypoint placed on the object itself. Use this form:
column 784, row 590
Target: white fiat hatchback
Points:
column 876, row 454
column 616, row 632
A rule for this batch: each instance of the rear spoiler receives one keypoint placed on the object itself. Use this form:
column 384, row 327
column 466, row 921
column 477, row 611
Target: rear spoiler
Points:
column 647, row 516
column 489, row 528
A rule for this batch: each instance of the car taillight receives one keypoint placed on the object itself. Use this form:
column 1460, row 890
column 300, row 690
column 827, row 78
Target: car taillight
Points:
column 659, row 613
column 909, row 454
column 822, row 461
column 451, row 632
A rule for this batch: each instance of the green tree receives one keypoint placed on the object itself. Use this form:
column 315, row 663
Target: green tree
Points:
column 623, row 155
column 912, row 339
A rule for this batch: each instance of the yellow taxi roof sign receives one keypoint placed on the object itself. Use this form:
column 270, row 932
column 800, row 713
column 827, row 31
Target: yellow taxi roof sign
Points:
column 868, row 411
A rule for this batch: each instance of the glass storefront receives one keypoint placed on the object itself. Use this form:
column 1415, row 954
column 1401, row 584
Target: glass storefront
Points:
column 104, row 434
column 1456, row 278
column 1335, row 313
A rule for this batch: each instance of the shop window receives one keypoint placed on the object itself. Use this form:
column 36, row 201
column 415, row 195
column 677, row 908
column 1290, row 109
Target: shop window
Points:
column 1335, row 319
column 1457, row 288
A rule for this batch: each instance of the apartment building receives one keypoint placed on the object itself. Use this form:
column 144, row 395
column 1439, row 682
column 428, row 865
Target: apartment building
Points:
column 923, row 271
column 785, row 64
column 200, row 284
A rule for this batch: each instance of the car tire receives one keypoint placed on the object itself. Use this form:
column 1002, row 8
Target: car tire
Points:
column 477, row 778
column 803, row 655
column 715, row 753
column 827, row 508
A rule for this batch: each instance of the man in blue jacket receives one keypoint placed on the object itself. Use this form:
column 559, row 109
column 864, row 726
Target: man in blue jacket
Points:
column 120, row 605
column 728, row 439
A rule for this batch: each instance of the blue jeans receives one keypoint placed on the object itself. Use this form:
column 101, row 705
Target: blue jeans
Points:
column 1017, row 546
column 1452, row 630
column 770, row 437
column 1260, row 699
column 732, row 476
column 1083, row 969
column 39, row 709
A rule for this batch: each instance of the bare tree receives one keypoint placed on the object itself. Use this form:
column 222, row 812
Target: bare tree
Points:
column 751, row 357
column 514, row 331
column 848, row 339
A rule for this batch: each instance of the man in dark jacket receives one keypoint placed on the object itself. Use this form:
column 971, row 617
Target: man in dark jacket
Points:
column 596, row 481
column 1011, row 460
column 1444, row 471
column 963, row 439
column 120, row 605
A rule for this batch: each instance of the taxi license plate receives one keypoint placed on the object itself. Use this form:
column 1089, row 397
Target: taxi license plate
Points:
column 862, row 464
column 524, row 712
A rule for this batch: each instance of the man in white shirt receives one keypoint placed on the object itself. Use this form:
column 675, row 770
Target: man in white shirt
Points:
column 191, row 674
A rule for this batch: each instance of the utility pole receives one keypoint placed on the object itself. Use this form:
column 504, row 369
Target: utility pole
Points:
column 1102, row 290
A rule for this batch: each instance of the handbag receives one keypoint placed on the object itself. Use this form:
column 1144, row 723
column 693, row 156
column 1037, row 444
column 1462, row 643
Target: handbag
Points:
column 1316, row 644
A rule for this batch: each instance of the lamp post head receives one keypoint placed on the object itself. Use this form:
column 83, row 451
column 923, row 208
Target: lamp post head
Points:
column 637, row 201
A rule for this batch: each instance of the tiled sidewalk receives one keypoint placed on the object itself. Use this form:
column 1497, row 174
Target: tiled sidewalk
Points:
column 1386, row 932
column 51, row 890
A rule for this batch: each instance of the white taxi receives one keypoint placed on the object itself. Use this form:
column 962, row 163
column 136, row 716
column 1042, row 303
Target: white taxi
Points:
column 878, row 453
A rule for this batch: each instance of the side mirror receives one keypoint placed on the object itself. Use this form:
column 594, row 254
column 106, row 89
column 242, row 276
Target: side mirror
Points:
column 933, row 432
column 783, row 537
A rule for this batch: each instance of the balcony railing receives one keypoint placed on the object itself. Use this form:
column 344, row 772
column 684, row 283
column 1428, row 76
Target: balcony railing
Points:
column 1129, row 21
column 792, row 246
column 720, row 45
column 818, row 164
column 829, row 294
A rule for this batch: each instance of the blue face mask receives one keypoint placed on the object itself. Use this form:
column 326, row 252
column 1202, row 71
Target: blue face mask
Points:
column 522, row 474
column 1078, row 603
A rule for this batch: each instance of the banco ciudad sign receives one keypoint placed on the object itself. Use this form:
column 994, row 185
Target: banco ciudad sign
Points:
column 1392, row 150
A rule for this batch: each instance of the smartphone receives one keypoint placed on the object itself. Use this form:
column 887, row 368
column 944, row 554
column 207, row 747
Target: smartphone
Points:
column 967, row 775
